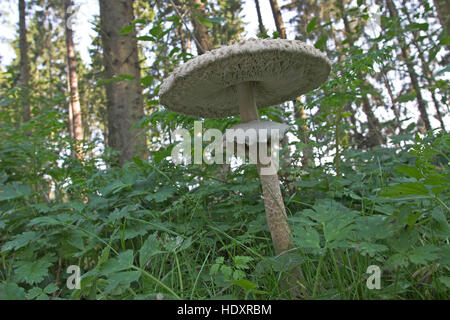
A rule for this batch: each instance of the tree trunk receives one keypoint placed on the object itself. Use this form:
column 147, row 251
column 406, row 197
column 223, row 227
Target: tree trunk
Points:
column 374, row 138
column 278, row 19
column 262, row 29
column 443, row 11
column 124, row 98
column 421, row 104
column 74, row 104
column 24, row 63
column 299, row 114
column 202, row 39
column 426, row 72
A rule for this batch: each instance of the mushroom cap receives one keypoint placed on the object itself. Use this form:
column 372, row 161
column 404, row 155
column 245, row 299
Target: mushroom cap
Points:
column 280, row 69
column 260, row 136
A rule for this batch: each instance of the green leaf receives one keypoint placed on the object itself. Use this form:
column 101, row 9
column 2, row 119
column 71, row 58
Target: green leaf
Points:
column 424, row 254
column 32, row 272
column 406, row 97
column 370, row 249
column 122, row 281
column 15, row 191
column 205, row 21
column 145, row 38
column 418, row 26
column 320, row 44
column 121, row 262
column 306, row 238
column 445, row 280
column 445, row 41
column 150, row 248
column 49, row 289
column 241, row 262
column 157, row 32
column 21, row 240
column 410, row 171
column 405, row 189
column 11, row 291
column 33, row 293
column 147, row 80
column 166, row 192
column 126, row 30
column 311, row 25
column 245, row 284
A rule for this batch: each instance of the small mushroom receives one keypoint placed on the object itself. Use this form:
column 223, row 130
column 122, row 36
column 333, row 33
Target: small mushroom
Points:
column 239, row 79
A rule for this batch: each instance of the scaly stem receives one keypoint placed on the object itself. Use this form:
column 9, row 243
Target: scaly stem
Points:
column 273, row 200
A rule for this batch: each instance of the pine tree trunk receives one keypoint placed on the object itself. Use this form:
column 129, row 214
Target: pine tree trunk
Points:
column 74, row 104
column 426, row 72
column 24, row 79
column 443, row 11
column 202, row 39
column 262, row 29
column 421, row 104
column 299, row 114
column 278, row 19
column 124, row 98
column 374, row 138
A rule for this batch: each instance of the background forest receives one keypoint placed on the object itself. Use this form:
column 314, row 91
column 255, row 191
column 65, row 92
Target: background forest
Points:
column 86, row 177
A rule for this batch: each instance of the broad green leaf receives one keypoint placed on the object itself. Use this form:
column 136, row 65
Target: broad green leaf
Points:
column 445, row 280
column 306, row 238
column 21, row 240
column 162, row 194
column 11, row 291
column 245, row 284
column 121, row 281
column 15, row 191
column 424, row 254
column 241, row 262
column 410, row 171
column 320, row 44
column 405, row 189
column 31, row 272
column 126, row 30
column 370, row 249
column 121, row 262
column 311, row 25
column 150, row 248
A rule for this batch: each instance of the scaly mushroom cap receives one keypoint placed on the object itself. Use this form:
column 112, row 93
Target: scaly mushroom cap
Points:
column 249, row 139
column 280, row 69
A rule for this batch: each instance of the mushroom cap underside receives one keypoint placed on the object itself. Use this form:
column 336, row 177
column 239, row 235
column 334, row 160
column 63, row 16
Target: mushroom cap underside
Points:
column 279, row 69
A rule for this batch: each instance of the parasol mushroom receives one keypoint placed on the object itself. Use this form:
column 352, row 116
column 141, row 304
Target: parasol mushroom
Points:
column 239, row 79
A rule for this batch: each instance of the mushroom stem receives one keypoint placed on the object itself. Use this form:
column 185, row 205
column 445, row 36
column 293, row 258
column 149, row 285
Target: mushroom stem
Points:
column 273, row 200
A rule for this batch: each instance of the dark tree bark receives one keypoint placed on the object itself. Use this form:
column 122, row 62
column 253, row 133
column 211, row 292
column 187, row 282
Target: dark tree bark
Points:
column 300, row 115
column 74, row 104
column 262, row 29
column 443, row 10
column 202, row 39
column 421, row 104
column 276, row 11
column 375, row 137
column 24, row 79
column 124, row 98
column 426, row 72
